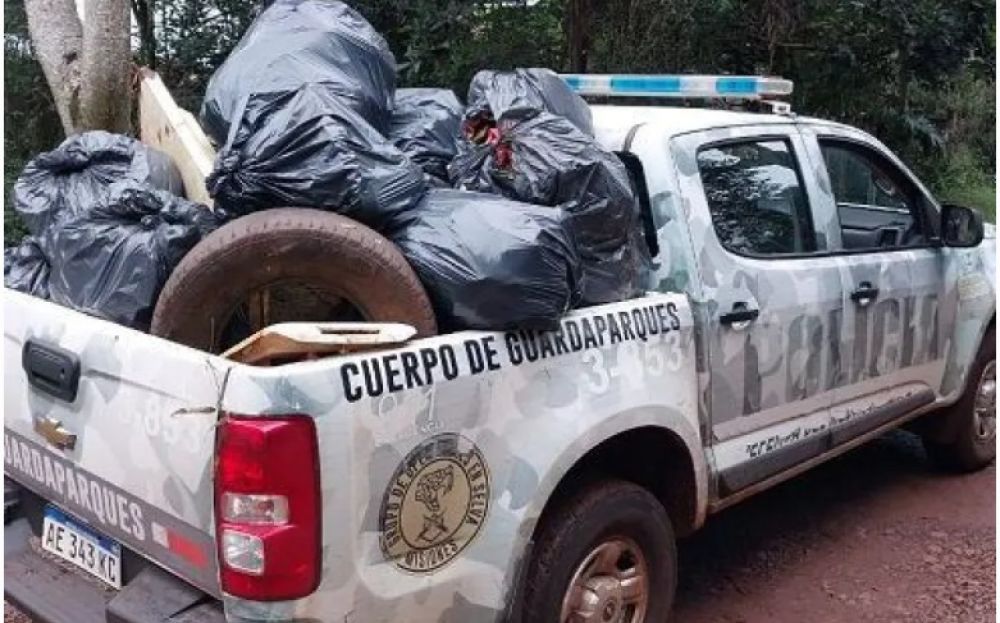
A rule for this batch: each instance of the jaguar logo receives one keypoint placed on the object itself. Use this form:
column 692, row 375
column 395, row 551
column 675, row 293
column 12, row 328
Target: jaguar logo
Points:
column 435, row 505
column 430, row 488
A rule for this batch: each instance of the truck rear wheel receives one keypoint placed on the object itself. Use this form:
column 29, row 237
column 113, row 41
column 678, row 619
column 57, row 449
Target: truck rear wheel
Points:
column 973, row 419
column 604, row 555
column 286, row 265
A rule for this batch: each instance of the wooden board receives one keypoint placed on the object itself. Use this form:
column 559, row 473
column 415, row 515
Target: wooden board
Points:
column 296, row 341
column 171, row 129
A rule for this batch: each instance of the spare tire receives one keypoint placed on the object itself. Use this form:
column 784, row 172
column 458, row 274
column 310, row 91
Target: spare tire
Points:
column 286, row 265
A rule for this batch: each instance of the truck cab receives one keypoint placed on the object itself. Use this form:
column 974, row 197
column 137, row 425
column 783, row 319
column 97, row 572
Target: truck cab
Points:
column 806, row 294
column 815, row 266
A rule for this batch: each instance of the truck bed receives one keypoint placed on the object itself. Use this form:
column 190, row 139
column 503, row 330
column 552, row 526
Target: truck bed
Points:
column 146, row 410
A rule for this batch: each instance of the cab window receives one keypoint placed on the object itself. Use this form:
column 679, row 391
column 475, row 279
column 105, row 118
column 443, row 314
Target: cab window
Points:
column 877, row 204
column 756, row 197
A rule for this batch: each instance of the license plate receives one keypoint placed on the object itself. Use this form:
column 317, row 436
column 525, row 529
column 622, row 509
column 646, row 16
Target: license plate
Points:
column 80, row 545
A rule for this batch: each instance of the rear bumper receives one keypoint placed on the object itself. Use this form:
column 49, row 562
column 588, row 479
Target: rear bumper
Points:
column 50, row 593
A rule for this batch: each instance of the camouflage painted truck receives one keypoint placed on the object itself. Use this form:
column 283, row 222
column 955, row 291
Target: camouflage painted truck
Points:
column 808, row 294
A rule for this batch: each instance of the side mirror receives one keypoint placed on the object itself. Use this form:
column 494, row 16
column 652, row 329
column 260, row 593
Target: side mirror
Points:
column 961, row 226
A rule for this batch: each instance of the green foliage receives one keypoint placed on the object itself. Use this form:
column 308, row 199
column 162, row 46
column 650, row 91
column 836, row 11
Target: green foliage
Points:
column 31, row 123
column 444, row 43
column 963, row 168
column 961, row 180
column 919, row 74
column 193, row 37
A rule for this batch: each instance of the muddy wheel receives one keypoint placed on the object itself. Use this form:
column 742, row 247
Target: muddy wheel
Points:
column 284, row 265
column 605, row 555
column 973, row 444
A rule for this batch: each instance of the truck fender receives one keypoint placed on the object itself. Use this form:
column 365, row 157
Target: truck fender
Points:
column 657, row 417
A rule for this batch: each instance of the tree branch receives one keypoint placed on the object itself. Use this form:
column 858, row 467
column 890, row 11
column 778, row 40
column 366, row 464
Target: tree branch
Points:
column 144, row 11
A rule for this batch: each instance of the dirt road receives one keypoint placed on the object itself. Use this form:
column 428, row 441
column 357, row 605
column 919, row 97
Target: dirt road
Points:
column 876, row 535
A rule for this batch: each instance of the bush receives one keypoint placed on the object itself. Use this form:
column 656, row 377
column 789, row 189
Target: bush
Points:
column 961, row 179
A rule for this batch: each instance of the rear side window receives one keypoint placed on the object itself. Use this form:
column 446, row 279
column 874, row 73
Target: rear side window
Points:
column 755, row 195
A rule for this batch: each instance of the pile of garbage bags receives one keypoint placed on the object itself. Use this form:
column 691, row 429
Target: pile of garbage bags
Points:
column 508, row 209
column 106, row 227
column 307, row 114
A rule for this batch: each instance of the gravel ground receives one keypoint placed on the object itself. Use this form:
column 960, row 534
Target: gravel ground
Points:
column 10, row 615
column 874, row 536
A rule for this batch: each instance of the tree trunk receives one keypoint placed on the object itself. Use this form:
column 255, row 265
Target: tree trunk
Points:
column 57, row 39
column 576, row 26
column 88, row 65
column 105, row 98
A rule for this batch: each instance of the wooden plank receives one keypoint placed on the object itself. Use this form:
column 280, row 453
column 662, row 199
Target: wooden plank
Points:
column 171, row 129
column 294, row 341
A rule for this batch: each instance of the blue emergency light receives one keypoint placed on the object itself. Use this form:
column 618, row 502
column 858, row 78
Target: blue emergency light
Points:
column 665, row 85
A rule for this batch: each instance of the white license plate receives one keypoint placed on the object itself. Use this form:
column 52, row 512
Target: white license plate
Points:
column 77, row 543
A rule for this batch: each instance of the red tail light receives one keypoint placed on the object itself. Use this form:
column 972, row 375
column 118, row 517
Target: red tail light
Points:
column 267, row 507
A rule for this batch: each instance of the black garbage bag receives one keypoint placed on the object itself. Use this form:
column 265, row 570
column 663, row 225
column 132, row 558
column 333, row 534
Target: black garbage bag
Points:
column 523, row 92
column 112, row 259
column 308, row 149
column 61, row 183
column 491, row 263
column 26, row 269
column 293, row 43
column 546, row 160
column 425, row 126
column 470, row 168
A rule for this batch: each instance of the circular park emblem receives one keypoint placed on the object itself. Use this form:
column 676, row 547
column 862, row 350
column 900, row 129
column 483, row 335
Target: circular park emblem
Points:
column 436, row 503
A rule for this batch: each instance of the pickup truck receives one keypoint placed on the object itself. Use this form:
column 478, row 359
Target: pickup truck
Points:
column 807, row 294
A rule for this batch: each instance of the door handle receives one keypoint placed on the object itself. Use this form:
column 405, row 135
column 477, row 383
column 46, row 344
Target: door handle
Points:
column 865, row 294
column 740, row 317
column 53, row 370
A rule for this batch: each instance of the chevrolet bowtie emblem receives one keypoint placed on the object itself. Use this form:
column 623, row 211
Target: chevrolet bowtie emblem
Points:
column 54, row 433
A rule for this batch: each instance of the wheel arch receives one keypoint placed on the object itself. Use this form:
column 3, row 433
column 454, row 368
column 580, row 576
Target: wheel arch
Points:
column 992, row 324
column 661, row 452
column 678, row 430
column 983, row 332
column 654, row 458
column 936, row 426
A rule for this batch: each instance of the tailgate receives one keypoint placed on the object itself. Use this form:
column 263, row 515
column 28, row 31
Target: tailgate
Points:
column 131, row 453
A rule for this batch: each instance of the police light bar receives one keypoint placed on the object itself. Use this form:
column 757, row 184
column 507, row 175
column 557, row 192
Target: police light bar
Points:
column 661, row 85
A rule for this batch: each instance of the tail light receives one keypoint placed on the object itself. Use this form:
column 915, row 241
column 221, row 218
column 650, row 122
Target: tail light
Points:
column 267, row 507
